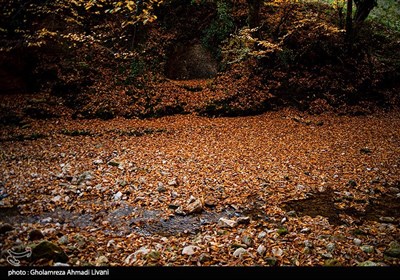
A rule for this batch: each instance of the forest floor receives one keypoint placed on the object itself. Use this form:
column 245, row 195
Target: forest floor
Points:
column 280, row 188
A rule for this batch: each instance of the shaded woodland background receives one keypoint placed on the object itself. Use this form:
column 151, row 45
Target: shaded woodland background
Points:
column 101, row 59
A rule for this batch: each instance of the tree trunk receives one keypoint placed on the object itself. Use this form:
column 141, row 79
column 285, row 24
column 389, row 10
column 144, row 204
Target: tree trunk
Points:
column 363, row 8
column 253, row 18
column 349, row 20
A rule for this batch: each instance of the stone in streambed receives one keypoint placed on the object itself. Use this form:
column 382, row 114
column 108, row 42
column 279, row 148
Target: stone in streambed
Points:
column 48, row 250
column 393, row 250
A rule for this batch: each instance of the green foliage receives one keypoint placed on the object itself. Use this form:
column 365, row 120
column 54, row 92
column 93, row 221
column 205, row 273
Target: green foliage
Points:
column 137, row 68
column 387, row 13
column 219, row 29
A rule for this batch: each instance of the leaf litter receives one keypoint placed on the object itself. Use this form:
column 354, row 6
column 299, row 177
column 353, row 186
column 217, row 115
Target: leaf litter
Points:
column 264, row 190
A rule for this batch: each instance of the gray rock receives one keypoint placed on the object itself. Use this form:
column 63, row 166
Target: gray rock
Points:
column 387, row 219
column 173, row 182
column 85, row 176
column 305, row 230
column 261, row 235
column 101, row 261
column 239, row 252
column 98, row 161
column 367, row 263
column 308, row 244
column 327, row 255
column 195, row 206
column 204, row 257
column 46, row 220
column 63, row 240
column 367, row 248
column 117, row 196
column 247, row 240
column 261, row 250
column 60, row 264
column 226, row 223
column 292, row 213
column 160, row 187
column 393, row 250
column 48, row 250
column 357, row 241
column 56, row 198
column 131, row 259
column 190, row 250
column 330, row 247
column 180, row 211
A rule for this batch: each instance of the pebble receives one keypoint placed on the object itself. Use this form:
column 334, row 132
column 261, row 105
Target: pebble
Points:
column 190, row 250
column 226, row 223
column 239, row 252
column 261, row 250
column 262, row 234
column 357, row 241
column 367, row 248
column 117, row 196
column 330, row 247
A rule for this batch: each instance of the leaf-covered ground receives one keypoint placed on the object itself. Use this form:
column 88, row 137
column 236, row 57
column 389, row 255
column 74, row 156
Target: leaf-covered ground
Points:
column 281, row 188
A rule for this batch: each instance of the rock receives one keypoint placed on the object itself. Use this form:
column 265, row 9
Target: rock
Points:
column 46, row 220
column 243, row 220
column 261, row 250
column 357, row 241
column 98, row 161
column 85, row 176
column 56, row 198
column 48, row 250
column 161, row 188
column 308, row 244
column 131, row 259
column 204, row 257
column 35, row 235
column 60, row 264
column 101, row 261
column 80, row 240
column 5, row 228
column 239, row 252
column 305, row 230
column 48, row 231
column 261, row 235
column 277, row 252
column 173, row 182
column 226, row 223
column 292, row 213
column 387, row 219
column 194, row 206
column 247, row 240
column 210, row 202
column 332, row 262
column 117, row 196
column 393, row 250
column 63, row 240
column 327, row 255
column 153, row 256
column 190, row 250
column 271, row 261
column 330, row 247
column 179, row 211
column 367, row 263
column 367, row 248
column 111, row 243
